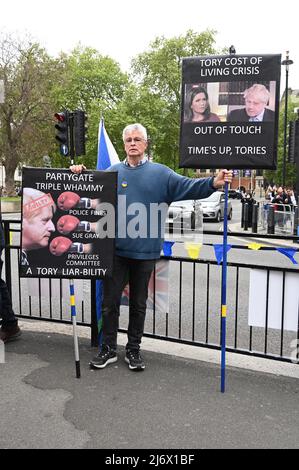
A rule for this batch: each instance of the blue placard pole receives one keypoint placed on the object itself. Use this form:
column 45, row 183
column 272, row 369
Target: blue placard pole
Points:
column 223, row 291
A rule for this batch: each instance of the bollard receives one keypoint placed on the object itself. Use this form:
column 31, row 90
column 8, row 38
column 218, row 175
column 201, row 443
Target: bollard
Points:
column 271, row 221
column 255, row 209
column 182, row 224
column 246, row 213
column 242, row 216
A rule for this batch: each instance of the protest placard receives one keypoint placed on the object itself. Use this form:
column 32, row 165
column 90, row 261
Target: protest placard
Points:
column 68, row 223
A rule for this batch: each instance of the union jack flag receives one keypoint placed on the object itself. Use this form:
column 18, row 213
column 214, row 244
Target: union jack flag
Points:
column 158, row 289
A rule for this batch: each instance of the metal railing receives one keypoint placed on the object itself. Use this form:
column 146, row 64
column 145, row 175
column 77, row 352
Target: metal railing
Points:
column 284, row 217
column 266, row 217
column 39, row 298
column 193, row 316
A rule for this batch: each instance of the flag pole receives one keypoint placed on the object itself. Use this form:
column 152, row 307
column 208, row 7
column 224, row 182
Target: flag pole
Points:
column 98, row 282
column 223, row 291
column 107, row 156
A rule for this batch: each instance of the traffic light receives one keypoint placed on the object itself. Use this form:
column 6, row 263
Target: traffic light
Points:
column 62, row 134
column 79, row 132
column 293, row 147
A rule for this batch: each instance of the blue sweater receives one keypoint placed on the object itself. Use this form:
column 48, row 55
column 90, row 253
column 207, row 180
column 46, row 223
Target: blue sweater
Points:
column 140, row 190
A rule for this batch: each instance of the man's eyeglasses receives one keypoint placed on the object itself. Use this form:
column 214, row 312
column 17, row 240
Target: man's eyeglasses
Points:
column 136, row 140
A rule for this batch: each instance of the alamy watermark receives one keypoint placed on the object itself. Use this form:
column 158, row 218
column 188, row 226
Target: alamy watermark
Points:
column 153, row 220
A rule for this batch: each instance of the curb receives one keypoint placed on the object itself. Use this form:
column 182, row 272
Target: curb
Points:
column 256, row 364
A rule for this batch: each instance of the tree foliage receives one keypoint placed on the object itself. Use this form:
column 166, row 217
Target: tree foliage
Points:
column 25, row 137
column 93, row 83
column 277, row 175
column 158, row 70
column 37, row 86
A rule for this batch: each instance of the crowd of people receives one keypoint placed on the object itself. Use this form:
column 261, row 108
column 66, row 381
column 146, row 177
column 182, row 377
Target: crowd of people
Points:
column 284, row 200
column 277, row 194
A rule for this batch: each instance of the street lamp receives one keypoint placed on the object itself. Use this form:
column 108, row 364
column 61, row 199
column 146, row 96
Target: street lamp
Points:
column 285, row 62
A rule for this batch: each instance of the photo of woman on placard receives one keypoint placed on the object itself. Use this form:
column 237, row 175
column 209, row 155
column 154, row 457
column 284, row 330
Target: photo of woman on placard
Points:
column 197, row 107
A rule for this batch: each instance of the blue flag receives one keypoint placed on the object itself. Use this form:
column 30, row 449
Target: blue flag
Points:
column 218, row 248
column 107, row 156
column 289, row 252
column 167, row 248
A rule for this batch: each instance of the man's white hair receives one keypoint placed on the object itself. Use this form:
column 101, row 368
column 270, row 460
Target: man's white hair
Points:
column 30, row 195
column 260, row 90
column 135, row 127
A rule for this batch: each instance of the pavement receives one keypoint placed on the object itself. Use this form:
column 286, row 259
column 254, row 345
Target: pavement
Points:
column 175, row 403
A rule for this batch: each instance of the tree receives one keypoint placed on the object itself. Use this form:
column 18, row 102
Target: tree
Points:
column 93, row 83
column 159, row 72
column 37, row 86
column 138, row 105
column 276, row 176
column 150, row 95
column 25, row 69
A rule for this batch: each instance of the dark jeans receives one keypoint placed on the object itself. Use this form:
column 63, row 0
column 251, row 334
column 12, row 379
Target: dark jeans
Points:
column 138, row 273
column 6, row 311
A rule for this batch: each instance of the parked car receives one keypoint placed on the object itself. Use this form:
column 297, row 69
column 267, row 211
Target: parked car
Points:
column 187, row 212
column 213, row 207
column 234, row 194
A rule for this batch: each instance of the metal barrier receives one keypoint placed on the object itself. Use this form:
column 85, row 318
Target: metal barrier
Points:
column 193, row 316
column 194, row 313
column 44, row 299
column 283, row 217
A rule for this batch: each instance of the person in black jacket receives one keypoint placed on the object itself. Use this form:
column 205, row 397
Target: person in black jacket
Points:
column 248, row 199
column 279, row 200
column 256, row 99
column 9, row 330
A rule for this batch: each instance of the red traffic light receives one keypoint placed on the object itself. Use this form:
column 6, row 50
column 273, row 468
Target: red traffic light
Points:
column 62, row 131
column 60, row 116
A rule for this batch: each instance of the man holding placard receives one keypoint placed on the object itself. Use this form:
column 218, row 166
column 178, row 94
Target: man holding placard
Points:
column 142, row 183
